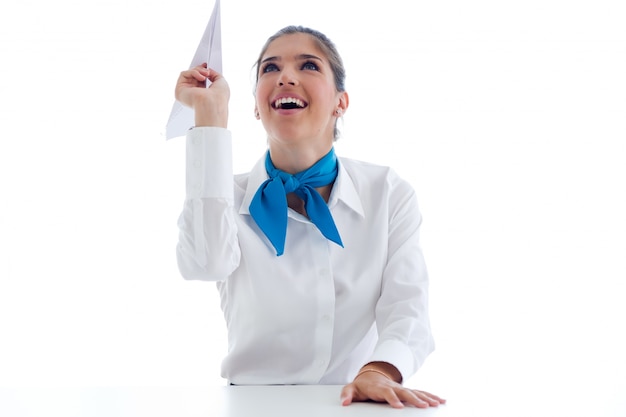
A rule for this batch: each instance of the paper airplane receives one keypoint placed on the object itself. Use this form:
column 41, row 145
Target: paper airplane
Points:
column 210, row 51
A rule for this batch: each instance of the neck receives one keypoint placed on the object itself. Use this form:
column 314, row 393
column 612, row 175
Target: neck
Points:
column 297, row 159
column 295, row 203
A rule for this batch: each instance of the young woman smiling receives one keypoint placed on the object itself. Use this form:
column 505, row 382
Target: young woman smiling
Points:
column 316, row 257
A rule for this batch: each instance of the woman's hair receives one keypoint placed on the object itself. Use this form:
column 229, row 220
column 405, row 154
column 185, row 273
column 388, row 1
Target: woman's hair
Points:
column 324, row 43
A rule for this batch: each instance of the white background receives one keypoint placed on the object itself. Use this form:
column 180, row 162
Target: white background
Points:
column 509, row 118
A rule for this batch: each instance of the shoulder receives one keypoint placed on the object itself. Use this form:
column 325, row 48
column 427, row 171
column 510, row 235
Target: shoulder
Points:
column 356, row 166
column 368, row 174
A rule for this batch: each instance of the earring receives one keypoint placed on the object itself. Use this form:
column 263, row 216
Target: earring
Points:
column 256, row 114
column 338, row 112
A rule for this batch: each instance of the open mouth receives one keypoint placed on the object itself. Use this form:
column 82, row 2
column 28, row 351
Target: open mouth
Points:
column 288, row 103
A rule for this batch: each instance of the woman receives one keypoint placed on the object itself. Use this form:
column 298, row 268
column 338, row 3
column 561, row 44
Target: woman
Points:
column 316, row 258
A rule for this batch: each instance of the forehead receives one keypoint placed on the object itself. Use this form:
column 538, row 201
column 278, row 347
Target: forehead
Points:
column 294, row 44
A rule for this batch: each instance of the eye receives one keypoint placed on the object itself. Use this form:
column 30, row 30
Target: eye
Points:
column 310, row 65
column 269, row 68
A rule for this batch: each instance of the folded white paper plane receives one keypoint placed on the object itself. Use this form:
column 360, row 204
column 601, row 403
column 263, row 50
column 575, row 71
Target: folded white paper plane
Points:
column 209, row 51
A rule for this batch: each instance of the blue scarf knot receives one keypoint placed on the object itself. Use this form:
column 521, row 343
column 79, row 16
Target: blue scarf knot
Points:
column 268, row 207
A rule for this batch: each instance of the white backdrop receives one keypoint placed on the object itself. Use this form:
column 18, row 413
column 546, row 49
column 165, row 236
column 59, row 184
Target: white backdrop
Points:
column 508, row 117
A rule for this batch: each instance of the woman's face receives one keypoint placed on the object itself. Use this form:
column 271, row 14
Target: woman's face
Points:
column 296, row 96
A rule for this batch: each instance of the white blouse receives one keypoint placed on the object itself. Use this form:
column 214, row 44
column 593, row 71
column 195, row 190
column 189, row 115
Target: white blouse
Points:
column 319, row 312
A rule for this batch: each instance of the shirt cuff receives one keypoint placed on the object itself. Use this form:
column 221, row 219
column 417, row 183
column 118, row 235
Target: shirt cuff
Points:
column 396, row 353
column 209, row 163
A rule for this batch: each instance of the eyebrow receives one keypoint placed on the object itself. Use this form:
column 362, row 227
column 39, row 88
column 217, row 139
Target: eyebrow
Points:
column 299, row 57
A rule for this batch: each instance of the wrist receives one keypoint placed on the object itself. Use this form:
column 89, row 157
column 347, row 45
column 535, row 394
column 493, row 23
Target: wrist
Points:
column 382, row 368
column 209, row 115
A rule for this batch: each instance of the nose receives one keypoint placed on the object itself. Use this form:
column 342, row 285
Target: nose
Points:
column 287, row 77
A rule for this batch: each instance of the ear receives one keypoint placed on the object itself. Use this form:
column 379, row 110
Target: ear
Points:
column 344, row 101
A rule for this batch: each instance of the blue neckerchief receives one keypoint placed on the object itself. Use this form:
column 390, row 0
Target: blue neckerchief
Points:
column 269, row 205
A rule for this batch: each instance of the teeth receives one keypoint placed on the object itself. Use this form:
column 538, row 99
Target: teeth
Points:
column 278, row 103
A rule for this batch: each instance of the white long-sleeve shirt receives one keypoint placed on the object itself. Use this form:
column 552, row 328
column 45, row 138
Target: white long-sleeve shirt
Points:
column 319, row 312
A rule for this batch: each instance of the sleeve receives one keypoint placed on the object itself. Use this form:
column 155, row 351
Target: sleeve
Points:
column 402, row 318
column 207, row 245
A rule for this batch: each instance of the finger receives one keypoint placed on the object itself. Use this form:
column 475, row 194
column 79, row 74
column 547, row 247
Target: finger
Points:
column 213, row 75
column 201, row 74
column 199, row 66
column 430, row 398
column 195, row 74
column 392, row 398
column 347, row 394
column 412, row 397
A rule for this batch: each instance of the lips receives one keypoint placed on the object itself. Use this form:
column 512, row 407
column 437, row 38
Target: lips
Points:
column 289, row 102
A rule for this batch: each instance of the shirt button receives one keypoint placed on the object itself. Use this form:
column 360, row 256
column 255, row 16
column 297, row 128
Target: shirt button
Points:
column 326, row 317
column 196, row 164
column 323, row 272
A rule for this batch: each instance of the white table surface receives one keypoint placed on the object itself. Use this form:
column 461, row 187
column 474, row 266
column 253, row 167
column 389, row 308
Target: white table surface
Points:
column 288, row 401
column 226, row 401
column 306, row 401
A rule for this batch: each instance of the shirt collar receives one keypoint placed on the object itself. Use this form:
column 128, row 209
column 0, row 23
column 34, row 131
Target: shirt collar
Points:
column 343, row 189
